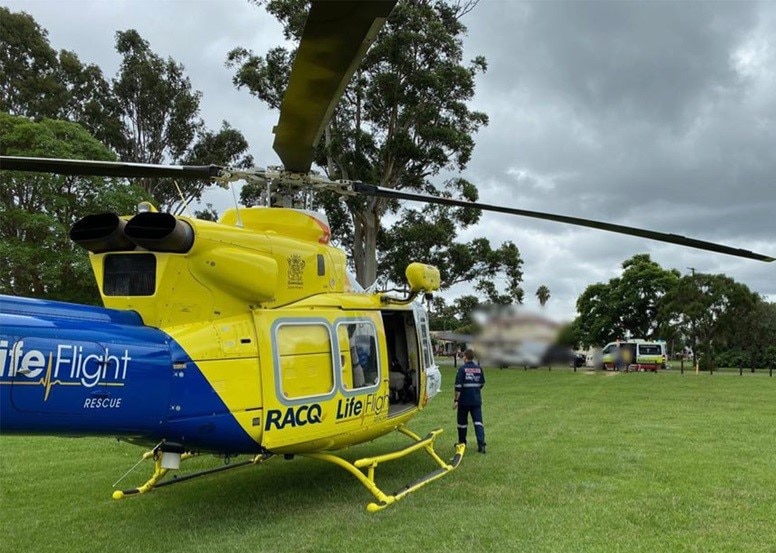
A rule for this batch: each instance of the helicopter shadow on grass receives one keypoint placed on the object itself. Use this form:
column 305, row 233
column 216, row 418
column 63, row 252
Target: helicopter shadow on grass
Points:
column 258, row 491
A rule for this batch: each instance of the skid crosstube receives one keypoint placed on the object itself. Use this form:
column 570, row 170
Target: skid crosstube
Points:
column 367, row 478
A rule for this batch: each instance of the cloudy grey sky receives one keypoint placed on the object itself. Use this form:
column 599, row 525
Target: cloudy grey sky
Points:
column 659, row 115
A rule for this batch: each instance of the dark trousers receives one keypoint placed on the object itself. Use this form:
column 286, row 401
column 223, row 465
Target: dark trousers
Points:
column 463, row 423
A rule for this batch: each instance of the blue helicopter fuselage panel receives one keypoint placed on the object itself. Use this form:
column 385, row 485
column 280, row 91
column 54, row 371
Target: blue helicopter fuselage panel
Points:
column 77, row 370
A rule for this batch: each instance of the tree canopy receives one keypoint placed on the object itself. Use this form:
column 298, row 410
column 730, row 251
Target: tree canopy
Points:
column 148, row 113
column 38, row 82
column 53, row 105
column 713, row 315
column 710, row 308
column 543, row 295
column 402, row 120
column 36, row 211
column 625, row 306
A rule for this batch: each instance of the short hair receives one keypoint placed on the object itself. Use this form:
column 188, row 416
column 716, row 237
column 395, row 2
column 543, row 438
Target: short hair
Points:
column 468, row 354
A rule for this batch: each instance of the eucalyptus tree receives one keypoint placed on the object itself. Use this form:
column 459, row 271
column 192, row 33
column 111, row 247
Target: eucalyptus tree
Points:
column 159, row 115
column 28, row 67
column 149, row 112
column 402, row 120
column 36, row 81
column 36, row 210
column 710, row 307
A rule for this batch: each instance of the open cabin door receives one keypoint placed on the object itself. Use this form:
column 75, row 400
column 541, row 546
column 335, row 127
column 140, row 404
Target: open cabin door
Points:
column 405, row 360
column 432, row 378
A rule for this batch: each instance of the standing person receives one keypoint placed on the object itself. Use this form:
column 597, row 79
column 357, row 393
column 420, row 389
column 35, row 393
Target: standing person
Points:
column 626, row 358
column 469, row 380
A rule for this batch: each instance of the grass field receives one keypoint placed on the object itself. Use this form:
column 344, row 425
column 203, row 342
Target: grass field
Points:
column 576, row 462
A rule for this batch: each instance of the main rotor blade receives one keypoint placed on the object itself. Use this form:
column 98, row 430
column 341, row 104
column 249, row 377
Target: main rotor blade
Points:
column 107, row 168
column 335, row 38
column 372, row 190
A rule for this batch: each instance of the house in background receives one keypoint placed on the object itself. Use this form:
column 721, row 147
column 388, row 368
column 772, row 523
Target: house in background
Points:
column 516, row 337
column 448, row 343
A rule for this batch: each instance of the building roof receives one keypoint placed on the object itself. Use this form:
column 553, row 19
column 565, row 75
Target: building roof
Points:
column 446, row 336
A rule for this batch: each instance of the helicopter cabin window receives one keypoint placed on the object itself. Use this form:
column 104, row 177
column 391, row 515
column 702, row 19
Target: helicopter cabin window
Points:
column 306, row 367
column 358, row 354
column 129, row 274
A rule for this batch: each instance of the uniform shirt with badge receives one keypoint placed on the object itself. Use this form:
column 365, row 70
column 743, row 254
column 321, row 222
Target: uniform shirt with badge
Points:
column 469, row 380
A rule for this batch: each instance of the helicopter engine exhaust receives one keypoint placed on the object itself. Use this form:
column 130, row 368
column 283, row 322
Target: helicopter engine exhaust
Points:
column 102, row 232
column 160, row 232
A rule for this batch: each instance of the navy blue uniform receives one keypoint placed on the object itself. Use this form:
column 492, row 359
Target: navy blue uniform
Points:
column 469, row 380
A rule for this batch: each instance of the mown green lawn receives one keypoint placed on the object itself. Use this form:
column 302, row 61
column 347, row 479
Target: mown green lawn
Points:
column 576, row 462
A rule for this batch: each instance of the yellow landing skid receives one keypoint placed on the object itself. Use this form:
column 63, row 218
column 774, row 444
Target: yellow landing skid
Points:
column 160, row 472
column 370, row 464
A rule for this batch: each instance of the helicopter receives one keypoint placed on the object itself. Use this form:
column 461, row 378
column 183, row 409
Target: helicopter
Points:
column 246, row 336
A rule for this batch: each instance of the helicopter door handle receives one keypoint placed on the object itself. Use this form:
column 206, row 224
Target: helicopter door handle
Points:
column 100, row 393
column 23, row 371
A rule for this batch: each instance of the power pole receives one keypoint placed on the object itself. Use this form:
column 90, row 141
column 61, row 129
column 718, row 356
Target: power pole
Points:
column 692, row 328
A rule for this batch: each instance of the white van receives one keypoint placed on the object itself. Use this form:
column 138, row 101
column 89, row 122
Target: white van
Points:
column 641, row 355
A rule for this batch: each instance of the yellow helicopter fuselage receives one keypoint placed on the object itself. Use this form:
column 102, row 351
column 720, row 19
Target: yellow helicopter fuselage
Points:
column 276, row 334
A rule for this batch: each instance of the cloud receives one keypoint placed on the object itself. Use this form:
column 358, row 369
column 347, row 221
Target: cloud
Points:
column 659, row 115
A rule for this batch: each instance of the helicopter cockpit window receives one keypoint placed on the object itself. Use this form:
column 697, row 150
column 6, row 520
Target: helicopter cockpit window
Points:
column 358, row 354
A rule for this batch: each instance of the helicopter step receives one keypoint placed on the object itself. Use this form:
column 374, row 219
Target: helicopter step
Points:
column 370, row 464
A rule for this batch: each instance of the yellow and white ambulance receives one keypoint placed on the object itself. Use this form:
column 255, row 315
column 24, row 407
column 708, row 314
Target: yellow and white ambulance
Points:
column 634, row 355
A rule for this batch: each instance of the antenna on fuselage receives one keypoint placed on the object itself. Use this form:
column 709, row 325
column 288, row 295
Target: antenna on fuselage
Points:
column 184, row 204
column 239, row 222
